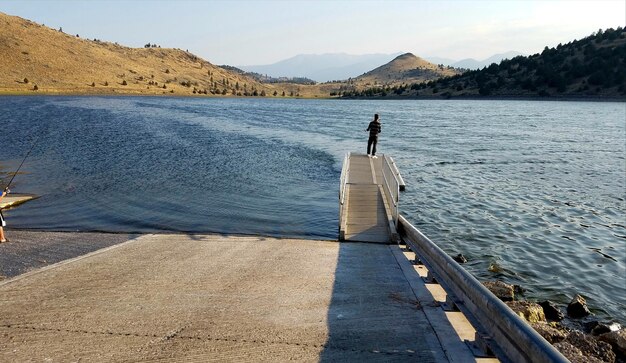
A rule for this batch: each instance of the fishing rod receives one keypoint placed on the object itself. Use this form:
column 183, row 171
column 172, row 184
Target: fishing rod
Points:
column 22, row 163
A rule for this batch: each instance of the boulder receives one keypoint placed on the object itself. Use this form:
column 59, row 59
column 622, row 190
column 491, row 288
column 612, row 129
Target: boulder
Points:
column 574, row 354
column 460, row 258
column 551, row 311
column 502, row 290
column 550, row 332
column 591, row 347
column 531, row 312
column 518, row 290
column 617, row 339
column 577, row 308
column 598, row 327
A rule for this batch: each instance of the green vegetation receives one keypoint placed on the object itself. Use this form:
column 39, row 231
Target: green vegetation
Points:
column 267, row 79
column 591, row 67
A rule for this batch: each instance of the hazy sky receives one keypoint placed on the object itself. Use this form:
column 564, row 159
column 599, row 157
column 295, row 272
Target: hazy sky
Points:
column 263, row 32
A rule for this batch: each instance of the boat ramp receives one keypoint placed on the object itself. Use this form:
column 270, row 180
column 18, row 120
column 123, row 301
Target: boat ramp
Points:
column 386, row 293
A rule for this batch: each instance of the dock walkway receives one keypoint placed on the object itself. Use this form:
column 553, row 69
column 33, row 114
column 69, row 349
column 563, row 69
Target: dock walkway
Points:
column 367, row 211
column 219, row 298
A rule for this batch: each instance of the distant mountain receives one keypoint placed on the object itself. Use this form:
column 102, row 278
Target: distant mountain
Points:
column 405, row 68
column 440, row 60
column 470, row 63
column 323, row 67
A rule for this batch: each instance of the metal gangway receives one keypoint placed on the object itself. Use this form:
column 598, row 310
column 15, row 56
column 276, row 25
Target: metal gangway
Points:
column 368, row 212
column 368, row 199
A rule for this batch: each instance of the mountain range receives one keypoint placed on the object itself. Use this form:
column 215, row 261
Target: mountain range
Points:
column 341, row 66
column 37, row 59
column 323, row 67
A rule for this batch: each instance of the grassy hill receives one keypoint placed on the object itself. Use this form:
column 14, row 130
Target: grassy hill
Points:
column 406, row 68
column 593, row 67
column 36, row 59
column 401, row 71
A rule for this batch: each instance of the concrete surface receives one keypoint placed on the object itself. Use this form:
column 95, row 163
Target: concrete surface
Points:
column 203, row 298
column 30, row 250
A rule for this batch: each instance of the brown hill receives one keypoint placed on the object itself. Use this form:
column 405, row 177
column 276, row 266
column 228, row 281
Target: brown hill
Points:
column 406, row 68
column 37, row 59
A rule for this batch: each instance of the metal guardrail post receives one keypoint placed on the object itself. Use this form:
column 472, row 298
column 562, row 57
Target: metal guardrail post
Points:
column 342, row 195
column 512, row 338
column 391, row 187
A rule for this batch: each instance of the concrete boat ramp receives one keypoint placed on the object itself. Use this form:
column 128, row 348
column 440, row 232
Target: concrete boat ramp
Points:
column 221, row 298
column 389, row 294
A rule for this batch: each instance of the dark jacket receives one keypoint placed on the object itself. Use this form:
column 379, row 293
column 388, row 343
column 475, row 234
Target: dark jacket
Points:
column 374, row 128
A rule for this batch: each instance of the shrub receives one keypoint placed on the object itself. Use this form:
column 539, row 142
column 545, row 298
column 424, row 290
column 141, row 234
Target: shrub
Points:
column 93, row 84
column 106, row 83
column 35, row 88
column 124, row 83
column 25, row 80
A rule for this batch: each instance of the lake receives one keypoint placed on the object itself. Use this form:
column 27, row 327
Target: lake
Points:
column 532, row 192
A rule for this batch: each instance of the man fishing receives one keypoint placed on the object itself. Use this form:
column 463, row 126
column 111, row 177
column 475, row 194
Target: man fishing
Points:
column 374, row 128
column 2, row 222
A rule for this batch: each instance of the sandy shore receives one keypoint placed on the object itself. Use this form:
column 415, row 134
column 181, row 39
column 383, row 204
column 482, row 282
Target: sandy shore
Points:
column 29, row 250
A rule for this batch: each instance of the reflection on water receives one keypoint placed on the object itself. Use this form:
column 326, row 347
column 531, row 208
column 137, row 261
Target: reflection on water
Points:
column 531, row 192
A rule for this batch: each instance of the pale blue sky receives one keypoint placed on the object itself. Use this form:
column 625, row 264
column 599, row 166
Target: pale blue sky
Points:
column 263, row 32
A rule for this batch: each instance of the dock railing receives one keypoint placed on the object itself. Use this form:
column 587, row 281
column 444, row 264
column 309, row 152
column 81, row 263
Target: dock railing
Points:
column 343, row 183
column 391, row 187
column 344, row 179
column 498, row 328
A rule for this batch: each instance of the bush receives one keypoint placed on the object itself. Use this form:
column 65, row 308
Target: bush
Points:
column 35, row 88
column 25, row 80
column 124, row 83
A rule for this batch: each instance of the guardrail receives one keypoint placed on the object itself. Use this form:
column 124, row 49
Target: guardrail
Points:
column 512, row 338
column 343, row 180
column 342, row 196
column 396, row 172
column 391, row 187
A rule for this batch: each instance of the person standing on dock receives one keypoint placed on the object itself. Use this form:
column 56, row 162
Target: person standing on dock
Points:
column 374, row 128
column 2, row 222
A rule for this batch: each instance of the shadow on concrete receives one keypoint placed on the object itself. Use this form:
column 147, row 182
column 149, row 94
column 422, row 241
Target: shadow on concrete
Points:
column 374, row 314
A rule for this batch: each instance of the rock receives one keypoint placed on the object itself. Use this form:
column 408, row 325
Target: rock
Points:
column 518, row 290
column 460, row 258
column 574, row 354
column 617, row 339
column 502, row 290
column 531, row 312
column 598, row 328
column 551, row 311
column 549, row 332
column 591, row 347
column 577, row 308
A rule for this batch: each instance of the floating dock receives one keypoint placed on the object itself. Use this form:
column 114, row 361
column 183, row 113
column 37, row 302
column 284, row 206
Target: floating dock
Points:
column 369, row 195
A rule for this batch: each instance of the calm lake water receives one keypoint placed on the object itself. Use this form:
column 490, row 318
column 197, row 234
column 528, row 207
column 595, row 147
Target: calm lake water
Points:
column 533, row 193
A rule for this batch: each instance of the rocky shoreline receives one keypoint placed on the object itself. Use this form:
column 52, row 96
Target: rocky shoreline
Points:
column 575, row 333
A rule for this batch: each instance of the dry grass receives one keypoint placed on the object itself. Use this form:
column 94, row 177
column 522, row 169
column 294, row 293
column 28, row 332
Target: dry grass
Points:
column 59, row 63
column 405, row 69
column 35, row 59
